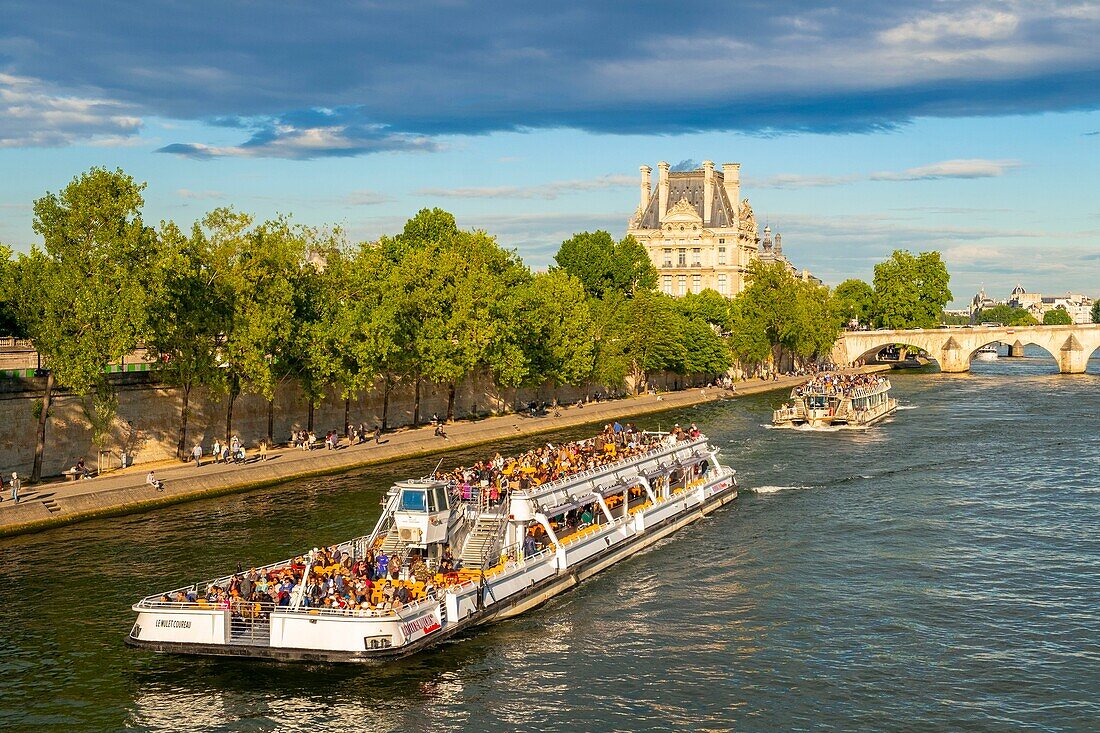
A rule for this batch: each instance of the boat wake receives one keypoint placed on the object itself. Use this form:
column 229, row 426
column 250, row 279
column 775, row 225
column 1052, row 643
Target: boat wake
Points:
column 775, row 489
column 811, row 429
column 908, row 407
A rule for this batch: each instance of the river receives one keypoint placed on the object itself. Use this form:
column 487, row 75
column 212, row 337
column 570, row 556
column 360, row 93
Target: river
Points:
column 939, row 572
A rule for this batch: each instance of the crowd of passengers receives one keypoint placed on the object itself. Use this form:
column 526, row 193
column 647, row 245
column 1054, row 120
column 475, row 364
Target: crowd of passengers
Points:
column 336, row 581
column 499, row 475
column 841, row 384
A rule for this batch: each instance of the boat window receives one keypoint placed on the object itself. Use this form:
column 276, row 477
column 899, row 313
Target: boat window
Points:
column 413, row 500
column 440, row 499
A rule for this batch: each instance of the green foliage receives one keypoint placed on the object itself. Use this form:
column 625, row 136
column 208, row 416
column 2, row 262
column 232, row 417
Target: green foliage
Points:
column 1096, row 311
column 1057, row 317
column 911, row 291
column 777, row 312
column 12, row 322
column 90, row 286
column 603, row 265
column 854, row 301
column 950, row 319
column 1007, row 315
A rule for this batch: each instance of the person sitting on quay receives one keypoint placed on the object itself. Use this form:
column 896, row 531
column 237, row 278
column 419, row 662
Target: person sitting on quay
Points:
column 152, row 480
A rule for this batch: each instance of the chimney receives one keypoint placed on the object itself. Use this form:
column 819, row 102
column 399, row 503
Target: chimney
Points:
column 646, row 190
column 708, row 190
column 662, row 189
column 731, row 181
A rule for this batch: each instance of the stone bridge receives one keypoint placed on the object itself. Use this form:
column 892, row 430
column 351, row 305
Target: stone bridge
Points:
column 1071, row 346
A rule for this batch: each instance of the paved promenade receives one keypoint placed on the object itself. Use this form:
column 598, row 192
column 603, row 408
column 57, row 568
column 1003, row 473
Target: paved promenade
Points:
column 120, row 492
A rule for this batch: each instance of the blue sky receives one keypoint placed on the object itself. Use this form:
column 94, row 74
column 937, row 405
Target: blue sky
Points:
column 968, row 127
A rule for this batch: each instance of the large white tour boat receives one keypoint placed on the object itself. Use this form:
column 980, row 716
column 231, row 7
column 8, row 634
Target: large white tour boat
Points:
column 833, row 399
column 450, row 552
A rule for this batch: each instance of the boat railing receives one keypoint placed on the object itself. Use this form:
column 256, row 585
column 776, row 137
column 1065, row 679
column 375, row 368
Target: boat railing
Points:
column 614, row 465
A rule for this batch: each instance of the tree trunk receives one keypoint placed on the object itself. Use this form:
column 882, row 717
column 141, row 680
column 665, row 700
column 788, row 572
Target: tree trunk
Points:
column 234, row 390
column 347, row 416
column 271, row 421
column 185, row 411
column 385, row 403
column 40, row 438
column 451, row 402
column 416, row 405
column 309, row 419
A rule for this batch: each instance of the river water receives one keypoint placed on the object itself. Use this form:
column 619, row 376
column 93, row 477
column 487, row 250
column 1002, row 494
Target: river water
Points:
column 939, row 572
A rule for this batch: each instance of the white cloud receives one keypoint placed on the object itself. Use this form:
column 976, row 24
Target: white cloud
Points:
column 958, row 168
column 982, row 24
column 546, row 191
column 366, row 197
column 36, row 114
column 186, row 193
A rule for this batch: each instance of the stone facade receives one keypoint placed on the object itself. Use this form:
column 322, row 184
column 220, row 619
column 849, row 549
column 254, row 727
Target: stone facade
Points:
column 697, row 231
column 1077, row 305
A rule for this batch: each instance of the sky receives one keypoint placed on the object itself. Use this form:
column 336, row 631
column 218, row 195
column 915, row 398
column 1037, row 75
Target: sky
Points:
column 971, row 128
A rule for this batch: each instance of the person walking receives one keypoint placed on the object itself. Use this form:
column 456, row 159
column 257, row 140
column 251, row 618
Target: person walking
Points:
column 263, row 450
column 196, row 453
column 16, row 484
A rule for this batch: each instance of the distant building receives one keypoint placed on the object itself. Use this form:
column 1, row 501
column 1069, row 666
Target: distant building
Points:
column 698, row 232
column 1077, row 305
column 772, row 251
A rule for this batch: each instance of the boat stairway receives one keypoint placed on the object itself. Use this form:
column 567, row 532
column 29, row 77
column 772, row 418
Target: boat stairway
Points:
column 392, row 543
column 479, row 551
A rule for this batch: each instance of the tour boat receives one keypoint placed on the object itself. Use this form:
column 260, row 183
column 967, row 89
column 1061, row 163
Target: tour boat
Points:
column 816, row 404
column 584, row 521
column 989, row 352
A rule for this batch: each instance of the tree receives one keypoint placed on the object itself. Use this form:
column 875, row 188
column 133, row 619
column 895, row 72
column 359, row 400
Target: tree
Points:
column 854, row 302
column 1057, row 317
column 91, row 284
column 188, row 317
column 911, row 291
column 1007, row 315
column 12, row 317
column 1096, row 311
column 779, row 313
column 604, row 265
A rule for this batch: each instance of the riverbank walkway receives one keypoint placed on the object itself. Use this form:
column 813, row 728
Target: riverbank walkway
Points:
column 124, row 491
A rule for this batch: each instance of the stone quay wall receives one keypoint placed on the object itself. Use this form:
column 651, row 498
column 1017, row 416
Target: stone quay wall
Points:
column 146, row 426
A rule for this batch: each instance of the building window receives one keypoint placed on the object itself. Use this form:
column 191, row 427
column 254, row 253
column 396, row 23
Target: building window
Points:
column 666, row 285
column 668, row 258
column 681, row 257
column 682, row 282
column 696, row 283
column 695, row 257
column 721, row 255
column 721, row 240
column 723, row 286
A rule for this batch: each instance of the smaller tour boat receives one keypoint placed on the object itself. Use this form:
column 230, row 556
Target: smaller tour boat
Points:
column 988, row 352
column 837, row 399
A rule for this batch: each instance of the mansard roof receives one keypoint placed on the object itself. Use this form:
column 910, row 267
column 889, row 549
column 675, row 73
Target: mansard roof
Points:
column 689, row 185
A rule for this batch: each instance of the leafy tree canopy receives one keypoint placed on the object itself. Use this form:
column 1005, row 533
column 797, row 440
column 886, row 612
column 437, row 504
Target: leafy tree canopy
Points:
column 854, row 301
column 911, row 290
column 1057, row 317
column 604, row 265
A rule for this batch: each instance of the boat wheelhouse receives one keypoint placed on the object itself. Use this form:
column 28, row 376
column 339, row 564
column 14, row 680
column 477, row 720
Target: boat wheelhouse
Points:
column 468, row 555
column 825, row 402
